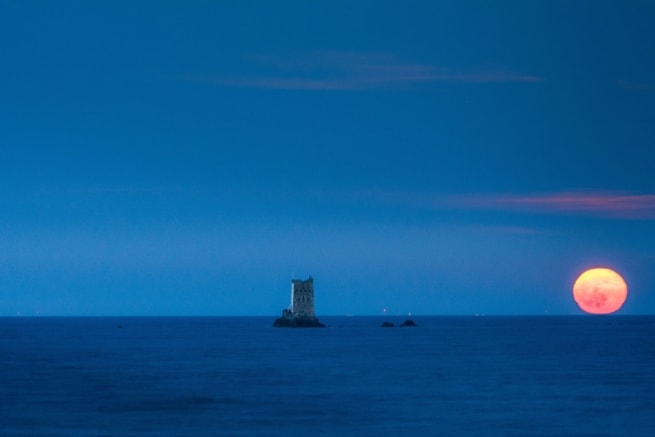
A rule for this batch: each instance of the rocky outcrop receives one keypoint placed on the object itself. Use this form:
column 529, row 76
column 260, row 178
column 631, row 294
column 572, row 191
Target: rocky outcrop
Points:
column 288, row 321
column 408, row 322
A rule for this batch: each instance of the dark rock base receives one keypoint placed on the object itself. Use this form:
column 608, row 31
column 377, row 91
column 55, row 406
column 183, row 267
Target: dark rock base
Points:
column 408, row 322
column 289, row 322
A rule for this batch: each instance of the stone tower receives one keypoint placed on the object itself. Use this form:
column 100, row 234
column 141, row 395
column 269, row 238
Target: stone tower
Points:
column 302, row 298
column 300, row 313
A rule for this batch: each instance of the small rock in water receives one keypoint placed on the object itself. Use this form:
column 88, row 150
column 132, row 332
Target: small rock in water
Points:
column 408, row 322
column 291, row 322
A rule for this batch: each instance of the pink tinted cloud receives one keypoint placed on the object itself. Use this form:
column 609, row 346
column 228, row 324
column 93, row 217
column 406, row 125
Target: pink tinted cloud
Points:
column 608, row 204
column 357, row 71
column 613, row 205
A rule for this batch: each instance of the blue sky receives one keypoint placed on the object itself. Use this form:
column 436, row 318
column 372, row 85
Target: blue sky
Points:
column 190, row 158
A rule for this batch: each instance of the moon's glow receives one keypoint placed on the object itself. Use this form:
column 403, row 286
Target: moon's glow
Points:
column 600, row 291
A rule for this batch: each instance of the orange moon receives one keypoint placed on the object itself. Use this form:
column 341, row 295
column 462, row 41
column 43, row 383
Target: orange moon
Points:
column 600, row 291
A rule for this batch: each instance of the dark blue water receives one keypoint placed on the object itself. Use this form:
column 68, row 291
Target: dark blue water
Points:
column 505, row 376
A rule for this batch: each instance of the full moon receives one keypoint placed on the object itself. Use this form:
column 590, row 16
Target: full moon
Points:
column 600, row 291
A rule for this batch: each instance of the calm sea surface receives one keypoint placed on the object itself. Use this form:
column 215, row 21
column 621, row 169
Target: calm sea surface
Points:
column 449, row 376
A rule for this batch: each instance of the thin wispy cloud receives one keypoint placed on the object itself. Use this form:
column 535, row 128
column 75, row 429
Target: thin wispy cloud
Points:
column 610, row 205
column 508, row 230
column 604, row 204
column 356, row 71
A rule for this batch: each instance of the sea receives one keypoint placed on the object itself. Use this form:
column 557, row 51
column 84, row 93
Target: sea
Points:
column 239, row 376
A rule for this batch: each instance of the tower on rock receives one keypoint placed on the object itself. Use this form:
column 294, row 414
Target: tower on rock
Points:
column 300, row 313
